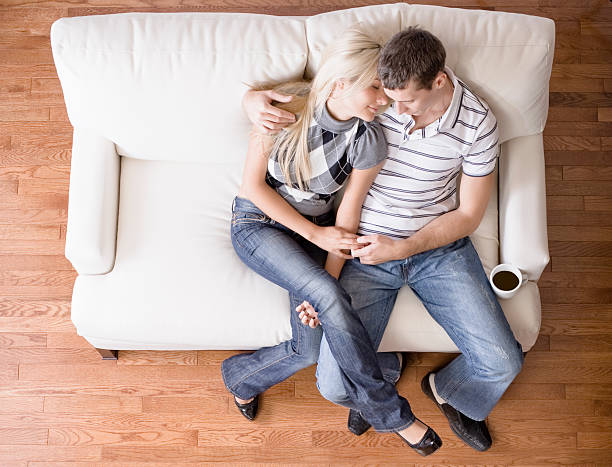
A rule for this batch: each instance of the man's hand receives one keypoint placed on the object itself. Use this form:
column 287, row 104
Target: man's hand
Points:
column 380, row 249
column 266, row 118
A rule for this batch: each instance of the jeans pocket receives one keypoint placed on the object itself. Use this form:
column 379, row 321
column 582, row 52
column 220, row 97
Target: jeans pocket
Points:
column 243, row 217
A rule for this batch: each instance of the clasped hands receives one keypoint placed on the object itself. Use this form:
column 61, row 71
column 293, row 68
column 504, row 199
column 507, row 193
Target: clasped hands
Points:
column 370, row 249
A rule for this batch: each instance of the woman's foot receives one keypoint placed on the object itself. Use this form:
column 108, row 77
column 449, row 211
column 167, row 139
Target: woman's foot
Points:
column 247, row 407
column 421, row 438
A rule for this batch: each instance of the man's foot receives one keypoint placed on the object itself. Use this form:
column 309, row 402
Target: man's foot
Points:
column 421, row 438
column 359, row 425
column 356, row 423
column 248, row 408
column 474, row 433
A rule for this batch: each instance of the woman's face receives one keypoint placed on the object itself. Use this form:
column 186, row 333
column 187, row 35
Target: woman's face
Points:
column 364, row 103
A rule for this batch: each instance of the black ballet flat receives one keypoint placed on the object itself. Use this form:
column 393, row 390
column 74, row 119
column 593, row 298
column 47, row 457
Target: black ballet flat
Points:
column 429, row 443
column 249, row 410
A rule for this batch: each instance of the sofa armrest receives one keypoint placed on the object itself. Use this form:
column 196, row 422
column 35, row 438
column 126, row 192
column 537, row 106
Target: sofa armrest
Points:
column 522, row 205
column 93, row 203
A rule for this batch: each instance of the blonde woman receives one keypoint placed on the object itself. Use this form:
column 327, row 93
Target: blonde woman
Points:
column 283, row 228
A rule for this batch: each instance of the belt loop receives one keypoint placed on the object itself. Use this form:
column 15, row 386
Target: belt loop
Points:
column 233, row 204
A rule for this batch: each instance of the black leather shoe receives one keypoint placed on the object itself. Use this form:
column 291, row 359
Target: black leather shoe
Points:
column 474, row 433
column 359, row 425
column 356, row 423
column 430, row 443
column 249, row 410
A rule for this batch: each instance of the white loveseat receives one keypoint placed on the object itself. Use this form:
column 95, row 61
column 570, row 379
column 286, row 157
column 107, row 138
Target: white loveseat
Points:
column 159, row 144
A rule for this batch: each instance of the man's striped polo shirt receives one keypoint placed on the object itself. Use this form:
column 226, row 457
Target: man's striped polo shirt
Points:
column 418, row 181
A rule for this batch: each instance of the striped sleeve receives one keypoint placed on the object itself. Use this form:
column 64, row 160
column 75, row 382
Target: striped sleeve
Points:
column 483, row 154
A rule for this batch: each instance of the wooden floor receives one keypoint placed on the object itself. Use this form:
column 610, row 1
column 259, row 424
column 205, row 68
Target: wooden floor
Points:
column 61, row 405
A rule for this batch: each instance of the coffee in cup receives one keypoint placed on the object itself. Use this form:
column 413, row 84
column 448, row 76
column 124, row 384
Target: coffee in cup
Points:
column 506, row 279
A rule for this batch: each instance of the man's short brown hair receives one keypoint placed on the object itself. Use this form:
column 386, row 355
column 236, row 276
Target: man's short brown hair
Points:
column 412, row 54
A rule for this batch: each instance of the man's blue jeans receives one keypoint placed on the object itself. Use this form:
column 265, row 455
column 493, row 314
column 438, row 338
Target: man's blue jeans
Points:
column 283, row 257
column 453, row 286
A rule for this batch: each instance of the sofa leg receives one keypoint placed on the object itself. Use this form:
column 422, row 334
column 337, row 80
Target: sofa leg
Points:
column 108, row 354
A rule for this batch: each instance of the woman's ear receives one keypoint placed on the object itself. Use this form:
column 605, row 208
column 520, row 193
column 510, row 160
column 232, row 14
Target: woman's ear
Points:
column 338, row 88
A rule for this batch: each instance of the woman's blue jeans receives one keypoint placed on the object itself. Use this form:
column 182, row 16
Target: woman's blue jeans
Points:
column 285, row 258
column 454, row 288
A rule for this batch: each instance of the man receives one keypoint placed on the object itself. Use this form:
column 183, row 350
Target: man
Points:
column 415, row 232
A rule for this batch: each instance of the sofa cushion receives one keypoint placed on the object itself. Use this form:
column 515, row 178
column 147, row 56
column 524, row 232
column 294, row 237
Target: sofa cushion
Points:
column 168, row 86
column 505, row 58
column 178, row 284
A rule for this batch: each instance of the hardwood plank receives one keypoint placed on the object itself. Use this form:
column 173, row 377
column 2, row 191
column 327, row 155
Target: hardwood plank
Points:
column 582, row 218
column 58, row 171
column 594, row 343
column 54, row 356
column 254, row 437
column 152, row 357
column 554, row 173
column 34, row 452
column 29, row 232
column 572, row 311
column 599, row 158
column 93, row 404
column 33, row 186
column 594, row 440
column 582, row 71
column 576, row 295
column 579, row 234
column 587, row 173
column 577, row 279
column 23, row 339
column 14, row 404
column 593, row 264
column 576, row 85
column 575, row 327
column 12, row 436
column 588, row 249
column 38, row 278
column 32, row 247
column 8, row 372
column 596, row 28
column 575, row 127
column 34, row 263
column 24, row 114
column 66, row 340
column 32, row 216
column 161, row 404
column 604, row 114
column 588, row 391
column 598, row 203
column 79, row 437
column 572, row 143
column 606, row 143
column 565, row 202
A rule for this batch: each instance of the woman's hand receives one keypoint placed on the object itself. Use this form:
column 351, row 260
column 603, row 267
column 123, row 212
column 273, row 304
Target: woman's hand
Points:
column 335, row 239
column 308, row 315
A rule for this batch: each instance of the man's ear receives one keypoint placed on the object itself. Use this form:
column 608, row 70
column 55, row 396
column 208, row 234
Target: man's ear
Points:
column 440, row 80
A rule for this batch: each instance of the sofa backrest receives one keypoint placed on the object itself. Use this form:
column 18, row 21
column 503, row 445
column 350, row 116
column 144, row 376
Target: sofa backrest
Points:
column 168, row 86
column 505, row 58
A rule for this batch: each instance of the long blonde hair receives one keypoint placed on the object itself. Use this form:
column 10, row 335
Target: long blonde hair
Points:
column 353, row 57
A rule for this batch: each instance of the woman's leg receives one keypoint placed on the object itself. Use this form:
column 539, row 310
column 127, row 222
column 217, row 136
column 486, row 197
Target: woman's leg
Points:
column 273, row 253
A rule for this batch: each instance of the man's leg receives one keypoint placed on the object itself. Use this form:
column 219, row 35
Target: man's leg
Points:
column 453, row 286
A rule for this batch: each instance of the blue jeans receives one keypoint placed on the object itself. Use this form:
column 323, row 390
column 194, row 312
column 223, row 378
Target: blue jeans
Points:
column 283, row 257
column 453, row 286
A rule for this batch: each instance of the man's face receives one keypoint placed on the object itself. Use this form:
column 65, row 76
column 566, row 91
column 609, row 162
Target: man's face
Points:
column 414, row 100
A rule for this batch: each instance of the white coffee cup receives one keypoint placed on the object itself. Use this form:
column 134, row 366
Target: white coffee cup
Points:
column 512, row 276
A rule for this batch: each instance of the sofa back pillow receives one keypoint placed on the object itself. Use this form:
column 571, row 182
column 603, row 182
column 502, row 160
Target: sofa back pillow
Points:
column 169, row 86
column 505, row 58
